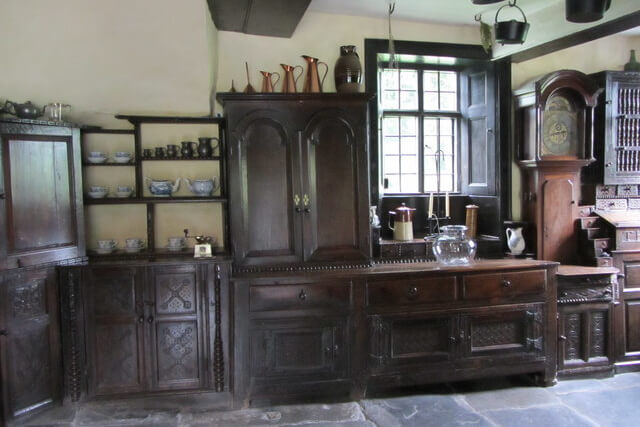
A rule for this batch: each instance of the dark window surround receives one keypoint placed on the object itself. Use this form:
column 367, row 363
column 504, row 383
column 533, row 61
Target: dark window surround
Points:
column 466, row 55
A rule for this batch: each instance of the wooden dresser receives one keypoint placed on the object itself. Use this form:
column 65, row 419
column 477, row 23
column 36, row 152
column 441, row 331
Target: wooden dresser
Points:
column 349, row 332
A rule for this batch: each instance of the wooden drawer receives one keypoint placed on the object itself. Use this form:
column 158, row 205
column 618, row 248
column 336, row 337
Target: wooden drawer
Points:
column 302, row 296
column 503, row 285
column 411, row 291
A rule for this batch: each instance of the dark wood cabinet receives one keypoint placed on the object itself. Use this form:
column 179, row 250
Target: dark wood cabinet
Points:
column 351, row 332
column 617, row 129
column 298, row 176
column 148, row 327
column 41, row 217
column 586, row 301
column 30, row 365
column 627, row 312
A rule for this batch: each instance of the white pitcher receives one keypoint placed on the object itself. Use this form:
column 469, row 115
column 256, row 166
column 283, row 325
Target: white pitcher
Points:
column 515, row 241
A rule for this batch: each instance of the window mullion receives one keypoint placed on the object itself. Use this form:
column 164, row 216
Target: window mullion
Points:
column 420, row 132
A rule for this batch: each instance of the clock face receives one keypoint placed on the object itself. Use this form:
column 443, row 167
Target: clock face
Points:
column 559, row 128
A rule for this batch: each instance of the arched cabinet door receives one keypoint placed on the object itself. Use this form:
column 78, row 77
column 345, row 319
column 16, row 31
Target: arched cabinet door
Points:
column 558, row 235
column 265, row 213
column 335, row 196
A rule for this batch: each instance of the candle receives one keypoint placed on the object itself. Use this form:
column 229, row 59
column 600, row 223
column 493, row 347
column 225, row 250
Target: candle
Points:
column 446, row 204
column 430, row 205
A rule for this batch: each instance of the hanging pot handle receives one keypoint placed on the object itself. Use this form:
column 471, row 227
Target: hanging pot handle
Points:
column 509, row 4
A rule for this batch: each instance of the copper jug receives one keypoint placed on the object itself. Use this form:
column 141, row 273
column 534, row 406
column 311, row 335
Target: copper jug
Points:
column 312, row 82
column 289, row 81
column 267, row 85
column 403, row 222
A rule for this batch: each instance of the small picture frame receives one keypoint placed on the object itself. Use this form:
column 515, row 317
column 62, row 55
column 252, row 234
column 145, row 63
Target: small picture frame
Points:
column 202, row 251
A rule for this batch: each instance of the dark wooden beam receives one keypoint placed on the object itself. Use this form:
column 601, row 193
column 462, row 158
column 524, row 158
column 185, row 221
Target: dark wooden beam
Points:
column 606, row 29
column 276, row 18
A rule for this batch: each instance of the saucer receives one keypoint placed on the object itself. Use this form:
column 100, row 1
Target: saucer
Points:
column 175, row 248
column 96, row 159
column 123, row 194
column 133, row 250
column 122, row 159
column 97, row 194
column 104, row 251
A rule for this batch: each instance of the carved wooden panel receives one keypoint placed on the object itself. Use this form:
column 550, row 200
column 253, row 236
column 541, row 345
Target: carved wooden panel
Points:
column 29, row 345
column 28, row 300
column 573, row 334
column 117, row 361
column 177, row 352
column 504, row 332
column 175, row 293
column 422, row 337
column 632, row 311
column 297, row 347
column 599, row 333
column 116, row 295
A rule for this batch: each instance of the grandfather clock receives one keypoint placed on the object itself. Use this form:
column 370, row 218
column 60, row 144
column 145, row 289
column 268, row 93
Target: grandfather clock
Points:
column 554, row 125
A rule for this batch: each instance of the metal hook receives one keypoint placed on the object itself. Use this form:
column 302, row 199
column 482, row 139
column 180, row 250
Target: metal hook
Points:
column 512, row 4
column 392, row 7
column 478, row 17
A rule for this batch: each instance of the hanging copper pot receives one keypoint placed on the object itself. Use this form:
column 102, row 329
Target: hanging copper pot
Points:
column 511, row 32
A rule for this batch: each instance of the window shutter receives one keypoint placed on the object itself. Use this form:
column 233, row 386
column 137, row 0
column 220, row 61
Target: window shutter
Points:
column 478, row 144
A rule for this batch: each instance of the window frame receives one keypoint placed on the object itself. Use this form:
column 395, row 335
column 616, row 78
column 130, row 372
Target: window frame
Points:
column 421, row 114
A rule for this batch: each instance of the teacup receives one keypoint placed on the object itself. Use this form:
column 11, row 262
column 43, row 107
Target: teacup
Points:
column 107, row 244
column 134, row 243
column 176, row 242
column 123, row 154
column 97, row 154
column 98, row 189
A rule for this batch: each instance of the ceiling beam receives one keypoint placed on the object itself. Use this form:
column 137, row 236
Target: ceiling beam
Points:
column 608, row 28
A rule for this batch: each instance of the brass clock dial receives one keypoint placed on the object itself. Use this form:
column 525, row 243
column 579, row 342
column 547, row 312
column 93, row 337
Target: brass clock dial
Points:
column 559, row 129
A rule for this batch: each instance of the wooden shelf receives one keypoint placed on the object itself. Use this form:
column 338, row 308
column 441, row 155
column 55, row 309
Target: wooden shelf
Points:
column 109, row 164
column 134, row 119
column 191, row 159
column 153, row 200
column 99, row 130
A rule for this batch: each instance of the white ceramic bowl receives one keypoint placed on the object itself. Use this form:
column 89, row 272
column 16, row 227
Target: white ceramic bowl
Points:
column 97, row 194
column 96, row 159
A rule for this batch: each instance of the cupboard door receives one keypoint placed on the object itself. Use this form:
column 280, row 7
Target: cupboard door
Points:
column 584, row 336
column 309, row 348
column 406, row 340
column 30, row 350
column 558, row 242
column 504, row 333
column 336, row 194
column 266, row 206
column 42, row 215
column 115, row 327
column 174, row 316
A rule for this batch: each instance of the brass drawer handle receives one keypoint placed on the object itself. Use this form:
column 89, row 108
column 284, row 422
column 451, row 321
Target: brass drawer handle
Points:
column 141, row 319
column 412, row 291
column 4, row 332
column 506, row 283
column 302, row 295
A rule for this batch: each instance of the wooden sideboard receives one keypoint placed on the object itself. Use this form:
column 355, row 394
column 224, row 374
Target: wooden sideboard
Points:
column 346, row 333
column 137, row 327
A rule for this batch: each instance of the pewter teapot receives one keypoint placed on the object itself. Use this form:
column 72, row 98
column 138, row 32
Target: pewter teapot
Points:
column 24, row 111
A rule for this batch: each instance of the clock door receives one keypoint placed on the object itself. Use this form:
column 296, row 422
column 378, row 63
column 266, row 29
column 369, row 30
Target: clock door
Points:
column 559, row 128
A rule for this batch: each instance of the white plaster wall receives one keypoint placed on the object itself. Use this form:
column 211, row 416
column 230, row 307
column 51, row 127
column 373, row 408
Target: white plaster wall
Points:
column 320, row 35
column 609, row 53
column 107, row 57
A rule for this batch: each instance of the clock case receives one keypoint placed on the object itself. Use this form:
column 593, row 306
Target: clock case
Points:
column 535, row 98
column 551, row 182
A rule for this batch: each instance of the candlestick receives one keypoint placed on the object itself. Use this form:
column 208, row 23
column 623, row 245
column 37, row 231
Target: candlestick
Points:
column 446, row 204
column 430, row 205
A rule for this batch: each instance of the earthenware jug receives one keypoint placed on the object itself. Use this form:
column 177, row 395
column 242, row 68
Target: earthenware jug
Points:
column 515, row 241
column 267, row 83
column 402, row 222
column 289, row 80
column 312, row 80
column 205, row 150
column 348, row 71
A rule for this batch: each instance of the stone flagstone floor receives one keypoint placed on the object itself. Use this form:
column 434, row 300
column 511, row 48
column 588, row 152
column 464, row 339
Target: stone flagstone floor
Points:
column 497, row 402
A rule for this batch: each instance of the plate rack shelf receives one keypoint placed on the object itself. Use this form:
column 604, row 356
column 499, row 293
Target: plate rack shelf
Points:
column 153, row 247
